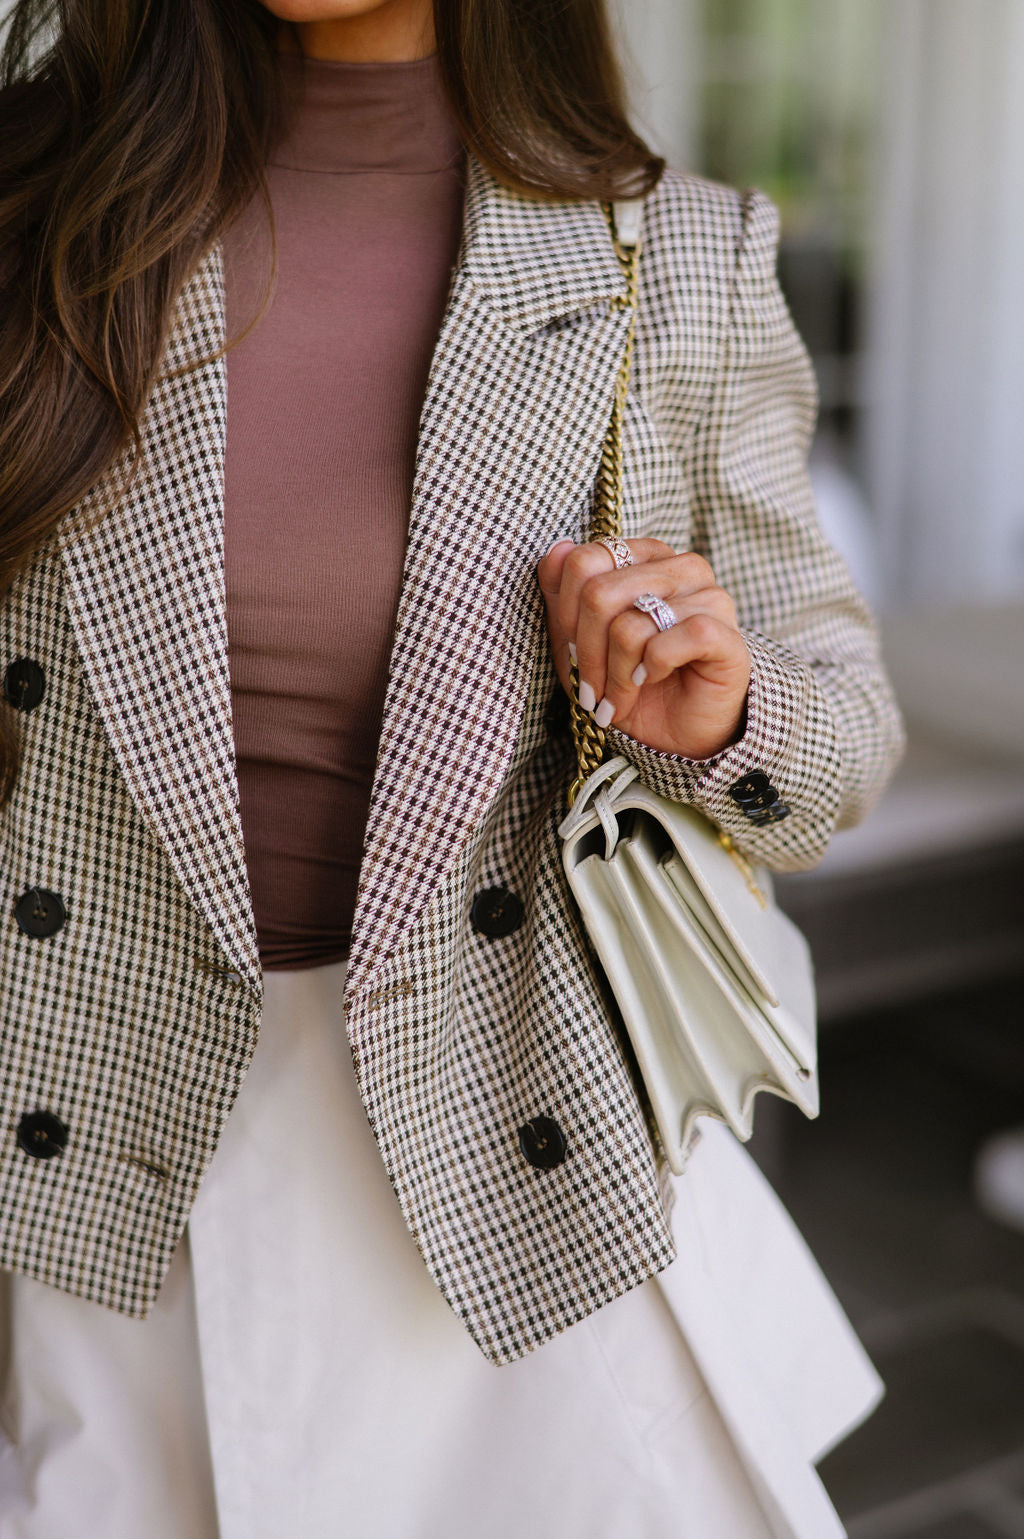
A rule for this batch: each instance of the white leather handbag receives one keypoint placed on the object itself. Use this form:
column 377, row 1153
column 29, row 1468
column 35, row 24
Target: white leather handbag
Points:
column 714, row 983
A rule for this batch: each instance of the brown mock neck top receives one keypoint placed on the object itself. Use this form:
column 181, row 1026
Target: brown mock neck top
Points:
column 324, row 396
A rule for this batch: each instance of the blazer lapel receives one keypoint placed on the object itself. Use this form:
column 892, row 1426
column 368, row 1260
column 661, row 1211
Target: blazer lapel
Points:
column 145, row 591
column 511, row 431
column 510, row 438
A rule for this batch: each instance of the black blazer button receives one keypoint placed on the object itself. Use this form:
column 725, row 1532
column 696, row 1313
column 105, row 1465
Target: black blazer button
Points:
column 40, row 912
column 754, row 793
column 542, row 1143
column 42, row 1135
column 496, row 912
column 24, row 683
column 771, row 814
column 750, row 786
column 754, row 790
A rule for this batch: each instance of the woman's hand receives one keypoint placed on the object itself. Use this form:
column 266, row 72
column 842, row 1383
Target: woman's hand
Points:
column 684, row 690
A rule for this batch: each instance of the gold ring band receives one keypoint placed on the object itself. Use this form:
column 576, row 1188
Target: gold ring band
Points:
column 619, row 550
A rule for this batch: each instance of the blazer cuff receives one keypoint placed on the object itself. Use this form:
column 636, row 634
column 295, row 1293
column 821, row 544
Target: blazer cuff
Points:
column 775, row 790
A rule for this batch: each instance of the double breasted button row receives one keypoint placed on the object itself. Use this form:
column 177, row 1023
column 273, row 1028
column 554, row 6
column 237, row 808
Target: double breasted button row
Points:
column 24, row 683
column 496, row 912
column 758, row 799
column 40, row 912
column 43, row 1135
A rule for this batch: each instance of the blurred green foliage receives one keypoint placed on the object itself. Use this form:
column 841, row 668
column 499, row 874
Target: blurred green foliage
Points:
column 789, row 102
column 790, row 96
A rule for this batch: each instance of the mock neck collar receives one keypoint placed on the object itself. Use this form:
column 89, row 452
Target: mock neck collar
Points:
column 347, row 118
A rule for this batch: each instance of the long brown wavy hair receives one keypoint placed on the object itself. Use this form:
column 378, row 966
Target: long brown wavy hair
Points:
column 133, row 131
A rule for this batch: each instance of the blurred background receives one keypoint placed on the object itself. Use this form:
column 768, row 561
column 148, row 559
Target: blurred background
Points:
column 891, row 134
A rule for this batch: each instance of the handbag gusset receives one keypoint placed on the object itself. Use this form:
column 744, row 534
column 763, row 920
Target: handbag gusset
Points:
column 713, row 981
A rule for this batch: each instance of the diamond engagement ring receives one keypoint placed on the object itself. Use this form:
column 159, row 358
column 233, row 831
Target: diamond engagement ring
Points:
column 650, row 604
column 619, row 550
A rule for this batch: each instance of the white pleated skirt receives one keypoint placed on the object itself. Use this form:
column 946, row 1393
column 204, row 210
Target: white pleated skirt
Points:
column 301, row 1374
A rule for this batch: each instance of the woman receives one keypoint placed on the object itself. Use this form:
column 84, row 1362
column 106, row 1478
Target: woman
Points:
column 285, row 755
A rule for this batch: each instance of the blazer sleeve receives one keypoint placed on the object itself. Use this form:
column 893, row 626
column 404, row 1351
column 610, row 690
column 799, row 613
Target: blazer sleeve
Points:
column 822, row 725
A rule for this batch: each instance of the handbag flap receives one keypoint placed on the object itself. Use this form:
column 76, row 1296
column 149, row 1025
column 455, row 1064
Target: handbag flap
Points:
column 721, row 892
column 714, row 983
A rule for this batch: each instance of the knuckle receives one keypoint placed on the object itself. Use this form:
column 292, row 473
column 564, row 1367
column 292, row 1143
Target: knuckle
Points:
column 697, row 569
column 714, row 607
column 625, row 628
column 584, row 561
column 703, row 629
column 598, row 598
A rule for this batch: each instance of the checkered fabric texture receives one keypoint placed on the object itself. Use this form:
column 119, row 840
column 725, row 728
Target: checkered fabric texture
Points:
column 135, row 1022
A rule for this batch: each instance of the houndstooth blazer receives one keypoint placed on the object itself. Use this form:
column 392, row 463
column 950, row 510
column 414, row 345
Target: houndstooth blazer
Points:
column 131, row 1027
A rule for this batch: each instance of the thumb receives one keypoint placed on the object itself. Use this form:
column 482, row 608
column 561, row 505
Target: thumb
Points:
column 549, row 575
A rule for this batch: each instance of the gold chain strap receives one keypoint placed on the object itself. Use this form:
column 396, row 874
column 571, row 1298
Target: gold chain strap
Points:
column 726, row 841
column 606, row 517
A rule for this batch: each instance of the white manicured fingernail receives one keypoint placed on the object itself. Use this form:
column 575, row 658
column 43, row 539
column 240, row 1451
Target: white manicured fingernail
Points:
column 604, row 713
column 588, row 699
column 639, row 674
column 563, row 541
column 572, row 651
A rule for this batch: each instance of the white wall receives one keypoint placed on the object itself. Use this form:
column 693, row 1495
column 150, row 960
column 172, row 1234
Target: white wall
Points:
column 660, row 45
column 946, row 345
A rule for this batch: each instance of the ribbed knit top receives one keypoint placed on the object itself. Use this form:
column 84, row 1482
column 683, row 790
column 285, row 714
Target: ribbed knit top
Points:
column 324, row 396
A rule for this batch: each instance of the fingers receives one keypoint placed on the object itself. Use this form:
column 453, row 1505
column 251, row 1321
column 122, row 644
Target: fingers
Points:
column 592, row 591
column 640, row 657
column 567, row 569
column 610, row 635
column 686, row 686
column 550, row 567
column 619, row 649
column 549, row 574
column 701, row 641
